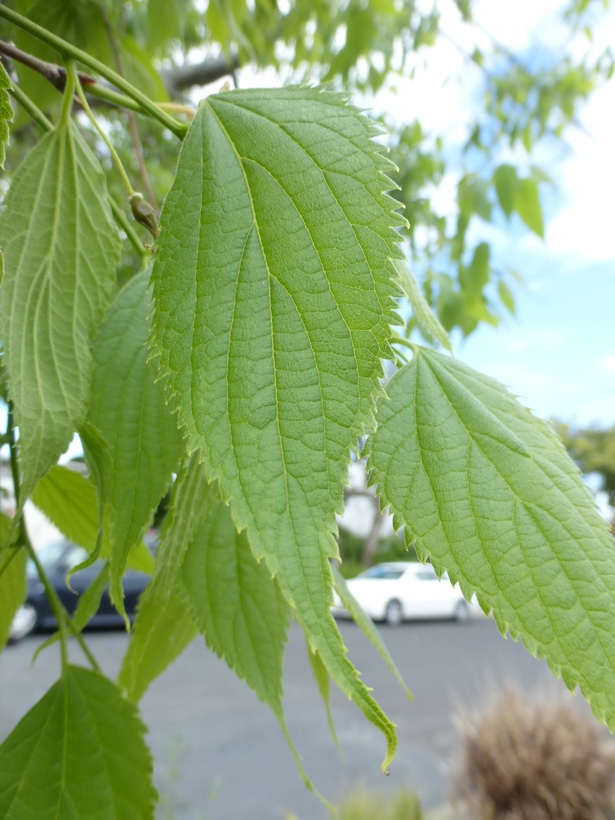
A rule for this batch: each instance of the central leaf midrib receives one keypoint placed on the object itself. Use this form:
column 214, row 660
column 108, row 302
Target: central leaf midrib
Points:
column 277, row 419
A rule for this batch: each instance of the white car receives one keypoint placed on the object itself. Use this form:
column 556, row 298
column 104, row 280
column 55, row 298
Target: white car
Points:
column 399, row 591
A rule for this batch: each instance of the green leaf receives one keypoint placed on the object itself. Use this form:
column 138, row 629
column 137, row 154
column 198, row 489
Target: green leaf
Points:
column 78, row 753
column 156, row 642
column 272, row 346
column 322, row 679
column 506, row 296
column 528, row 206
column 13, row 586
column 507, row 187
column 487, row 491
column 6, row 112
column 164, row 626
column 60, row 247
column 128, row 409
column 474, row 277
column 240, row 610
column 424, row 314
column 89, row 603
column 163, row 23
column 368, row 627
column 69, row 502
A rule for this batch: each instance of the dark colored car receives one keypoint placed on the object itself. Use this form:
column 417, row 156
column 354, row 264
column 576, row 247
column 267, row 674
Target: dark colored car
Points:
column 58, row 559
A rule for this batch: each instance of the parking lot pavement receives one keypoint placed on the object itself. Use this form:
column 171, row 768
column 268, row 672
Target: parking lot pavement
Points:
column 220, row 755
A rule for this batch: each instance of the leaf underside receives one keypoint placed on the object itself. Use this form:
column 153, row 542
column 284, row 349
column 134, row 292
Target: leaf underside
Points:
column 60, row 249
column 6, row 113
column 13, row 585
column 274, row 295
column 129, row 410
column 239, row 609
column 487, row 492
column 78, row 753
column 321, row 676
column 164, row 626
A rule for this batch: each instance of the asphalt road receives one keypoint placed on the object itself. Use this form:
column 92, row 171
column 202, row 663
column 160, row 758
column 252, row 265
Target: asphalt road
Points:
column 220, row 755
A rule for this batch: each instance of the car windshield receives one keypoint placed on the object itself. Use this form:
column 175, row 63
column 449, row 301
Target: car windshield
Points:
column 382, row 572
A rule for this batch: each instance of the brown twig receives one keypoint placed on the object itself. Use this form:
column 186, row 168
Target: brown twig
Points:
column 55, row 74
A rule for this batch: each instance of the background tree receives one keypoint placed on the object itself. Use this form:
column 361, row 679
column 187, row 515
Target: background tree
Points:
column 593, row 448
column 169, row 48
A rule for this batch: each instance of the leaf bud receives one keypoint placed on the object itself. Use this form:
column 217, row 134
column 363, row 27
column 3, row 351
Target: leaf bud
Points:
column 144, row 214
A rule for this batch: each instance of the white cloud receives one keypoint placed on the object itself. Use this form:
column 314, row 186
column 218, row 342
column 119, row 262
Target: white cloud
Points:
column 606, row 364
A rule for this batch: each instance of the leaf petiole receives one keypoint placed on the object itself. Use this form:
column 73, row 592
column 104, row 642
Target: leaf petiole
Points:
column 73, row 78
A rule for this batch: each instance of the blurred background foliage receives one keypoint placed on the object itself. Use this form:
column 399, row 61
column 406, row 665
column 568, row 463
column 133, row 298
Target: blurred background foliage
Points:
column 173, row 50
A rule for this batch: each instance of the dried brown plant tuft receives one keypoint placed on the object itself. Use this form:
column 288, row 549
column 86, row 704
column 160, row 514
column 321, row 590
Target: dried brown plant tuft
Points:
column 534, row 761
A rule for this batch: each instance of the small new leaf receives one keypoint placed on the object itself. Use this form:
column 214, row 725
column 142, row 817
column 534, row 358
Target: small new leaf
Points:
column 60, row 248
column 79, row 752
column 486, row 491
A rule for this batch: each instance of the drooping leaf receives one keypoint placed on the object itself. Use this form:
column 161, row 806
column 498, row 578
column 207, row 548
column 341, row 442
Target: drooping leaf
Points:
column 6, row 113
column 164, row 625
column 60, row 248
column 87, row 607
column 273, row 300
column 128, row 409
column 506, row 186
column 69, row 502
column 240, row 610
column 424, row 314
column 321, row 676
column 156, row 642
column 13, row 586
column 367, row 626
column 528, row 206
column 78, row 753
column 487, row 492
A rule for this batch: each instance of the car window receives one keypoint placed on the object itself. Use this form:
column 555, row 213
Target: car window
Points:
column 382, row 572
column 75, row 556
column 49, row 556
column 426, row 575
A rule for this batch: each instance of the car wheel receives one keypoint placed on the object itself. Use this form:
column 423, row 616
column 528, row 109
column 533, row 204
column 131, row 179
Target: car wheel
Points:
column 24, row 622
column 394, row 614
column 462, row 612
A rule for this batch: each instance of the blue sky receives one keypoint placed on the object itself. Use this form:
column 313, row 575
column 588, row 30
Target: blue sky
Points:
column 558, row 353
